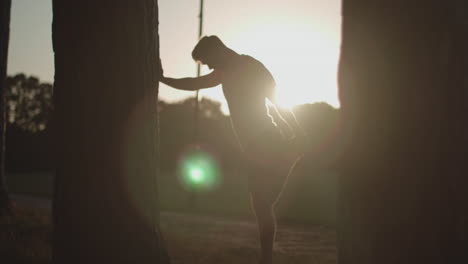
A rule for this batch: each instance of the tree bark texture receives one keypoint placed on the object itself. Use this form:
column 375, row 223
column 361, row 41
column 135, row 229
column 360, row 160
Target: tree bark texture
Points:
column 105, row 94
column 403, row 92
column 5, row 9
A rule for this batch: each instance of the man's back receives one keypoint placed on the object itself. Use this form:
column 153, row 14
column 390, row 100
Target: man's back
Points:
column 246, row 84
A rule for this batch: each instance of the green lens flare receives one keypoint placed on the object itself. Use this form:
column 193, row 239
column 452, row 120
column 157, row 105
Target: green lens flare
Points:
column 198, row 170
column 196, row 175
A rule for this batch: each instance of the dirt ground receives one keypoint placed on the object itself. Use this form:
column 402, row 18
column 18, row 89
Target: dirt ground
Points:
column 196, row 238
column 206, row 239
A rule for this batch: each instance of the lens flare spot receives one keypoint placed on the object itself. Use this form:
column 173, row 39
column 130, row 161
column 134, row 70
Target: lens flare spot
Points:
column 198, row 170
column 196, row 175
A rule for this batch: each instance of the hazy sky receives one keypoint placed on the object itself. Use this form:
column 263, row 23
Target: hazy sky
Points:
column 298, row 40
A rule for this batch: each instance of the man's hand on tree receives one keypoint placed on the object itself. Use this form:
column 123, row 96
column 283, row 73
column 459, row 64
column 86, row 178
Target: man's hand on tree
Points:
column 161, row 71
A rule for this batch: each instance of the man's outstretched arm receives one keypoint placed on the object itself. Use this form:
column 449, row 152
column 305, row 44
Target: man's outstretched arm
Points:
column 193, row 84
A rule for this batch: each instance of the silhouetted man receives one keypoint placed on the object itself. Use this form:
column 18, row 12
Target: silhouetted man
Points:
column 269, row 151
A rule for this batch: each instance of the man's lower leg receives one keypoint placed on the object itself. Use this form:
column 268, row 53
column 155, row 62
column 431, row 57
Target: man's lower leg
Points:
column 267, row 229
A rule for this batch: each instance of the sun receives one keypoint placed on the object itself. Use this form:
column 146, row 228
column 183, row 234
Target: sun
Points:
column 302, row 58
column 305, row 77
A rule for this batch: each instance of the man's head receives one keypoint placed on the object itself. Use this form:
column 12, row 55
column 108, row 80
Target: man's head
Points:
column 210, row 50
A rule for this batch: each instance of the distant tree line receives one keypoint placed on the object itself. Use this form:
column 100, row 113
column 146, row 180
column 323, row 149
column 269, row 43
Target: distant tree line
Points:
column 29, row 102
column 30, row 147
column 30, row 109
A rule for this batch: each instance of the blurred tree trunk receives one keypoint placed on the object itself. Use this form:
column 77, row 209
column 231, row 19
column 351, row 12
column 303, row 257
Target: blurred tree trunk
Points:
column 106, row 88
column 403, row 93
column 5, row 8
column 459, row 79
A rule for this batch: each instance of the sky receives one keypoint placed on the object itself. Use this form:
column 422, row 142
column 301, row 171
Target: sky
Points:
column 297, row 40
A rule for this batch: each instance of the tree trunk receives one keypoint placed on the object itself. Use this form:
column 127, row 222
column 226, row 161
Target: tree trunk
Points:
column 404, row 125
column 459, row 75
column 5, row 8
column 106, row 88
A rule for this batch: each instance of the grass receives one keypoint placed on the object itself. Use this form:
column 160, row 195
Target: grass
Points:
column 38, row 184
column 308, row 198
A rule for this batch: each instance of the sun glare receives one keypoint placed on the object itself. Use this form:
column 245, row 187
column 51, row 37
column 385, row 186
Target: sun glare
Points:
column 303, row 60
